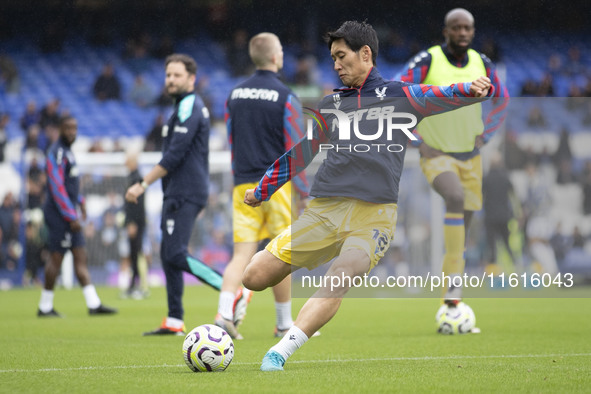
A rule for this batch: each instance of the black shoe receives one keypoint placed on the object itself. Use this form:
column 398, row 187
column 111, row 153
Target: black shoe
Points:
column 165, row 331
column 102, row 310
column 51, row 313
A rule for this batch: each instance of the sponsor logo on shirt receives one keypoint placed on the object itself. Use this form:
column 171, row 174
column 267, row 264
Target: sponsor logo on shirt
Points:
column 381, row 93
column 347, row 125
column 255, row 94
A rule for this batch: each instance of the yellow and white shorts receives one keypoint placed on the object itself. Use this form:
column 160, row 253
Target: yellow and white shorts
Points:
column 332, row 225
column 267, row 221
column 469, row 172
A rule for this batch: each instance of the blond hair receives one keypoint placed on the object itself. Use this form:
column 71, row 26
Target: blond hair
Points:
column 262, row 47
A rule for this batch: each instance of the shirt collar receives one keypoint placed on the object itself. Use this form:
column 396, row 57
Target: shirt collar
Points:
column 452, row 58
column 266, row 72
column 180, row 97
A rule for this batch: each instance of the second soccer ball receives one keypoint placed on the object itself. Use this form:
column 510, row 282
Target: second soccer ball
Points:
column 455, row 319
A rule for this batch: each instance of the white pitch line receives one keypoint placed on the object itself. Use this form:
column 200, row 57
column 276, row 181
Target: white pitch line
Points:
column 431, row 358
column 348, row 360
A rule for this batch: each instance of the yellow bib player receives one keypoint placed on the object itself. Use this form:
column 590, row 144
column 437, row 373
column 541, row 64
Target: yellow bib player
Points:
column 449, row 143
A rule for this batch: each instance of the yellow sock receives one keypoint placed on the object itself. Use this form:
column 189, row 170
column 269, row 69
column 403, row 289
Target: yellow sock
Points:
column 454, row 236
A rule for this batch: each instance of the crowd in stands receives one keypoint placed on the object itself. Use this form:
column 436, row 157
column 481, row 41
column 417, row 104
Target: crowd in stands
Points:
column 9, row 76
column 554, row 192
column 10, row 244
column 569, row 69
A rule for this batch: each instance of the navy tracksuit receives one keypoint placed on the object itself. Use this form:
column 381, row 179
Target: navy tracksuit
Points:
column 185, row 153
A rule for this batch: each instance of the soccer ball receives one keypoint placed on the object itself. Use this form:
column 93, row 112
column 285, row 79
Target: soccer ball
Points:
column 208, row 348
column 455, row 319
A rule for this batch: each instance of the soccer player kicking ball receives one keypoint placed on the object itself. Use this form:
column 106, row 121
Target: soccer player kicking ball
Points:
column 353, row 215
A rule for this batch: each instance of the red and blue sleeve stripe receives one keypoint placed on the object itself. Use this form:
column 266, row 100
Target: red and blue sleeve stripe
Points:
column 276, row 176
column 290, row 164
column 57, row 188
column 293, row 122
column 500, row 103
column 293, row 131
column 416, row 69
column 414, row 75
column 431, row 100
column 419, row 138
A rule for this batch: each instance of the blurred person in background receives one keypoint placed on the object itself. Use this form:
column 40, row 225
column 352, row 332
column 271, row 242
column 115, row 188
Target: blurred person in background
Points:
column 237, row 54
column 65, row 222
column 11, row 249
column 36, row 181
column 141, row 92
column 135, row 225
column 35, row 252
column 9, row 75
column 30, row 117
column 154, row 137
column 107, row 85
column 50, row 114
column 498, row 197
column 4, row 119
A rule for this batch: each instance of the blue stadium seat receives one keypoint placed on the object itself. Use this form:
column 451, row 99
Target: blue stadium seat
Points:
column 70, row 75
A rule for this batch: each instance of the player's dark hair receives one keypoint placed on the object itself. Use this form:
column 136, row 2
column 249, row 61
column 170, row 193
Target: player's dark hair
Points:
column 188, row 61
column 356, row 35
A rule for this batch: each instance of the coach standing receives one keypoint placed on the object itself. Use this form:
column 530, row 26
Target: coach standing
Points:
column 184, row 170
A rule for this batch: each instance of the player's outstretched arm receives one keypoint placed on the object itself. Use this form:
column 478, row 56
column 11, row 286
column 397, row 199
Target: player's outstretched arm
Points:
column 432, row 100
column 287, row 167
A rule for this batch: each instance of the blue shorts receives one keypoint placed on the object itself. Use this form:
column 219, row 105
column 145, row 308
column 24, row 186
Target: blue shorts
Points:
column 61, row 238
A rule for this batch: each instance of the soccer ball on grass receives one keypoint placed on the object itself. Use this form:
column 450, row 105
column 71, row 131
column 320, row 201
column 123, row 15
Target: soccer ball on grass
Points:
column 208, row 348
column 455, row 319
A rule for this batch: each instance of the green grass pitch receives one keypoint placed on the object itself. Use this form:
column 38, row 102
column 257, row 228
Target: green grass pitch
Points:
column 372, row 345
